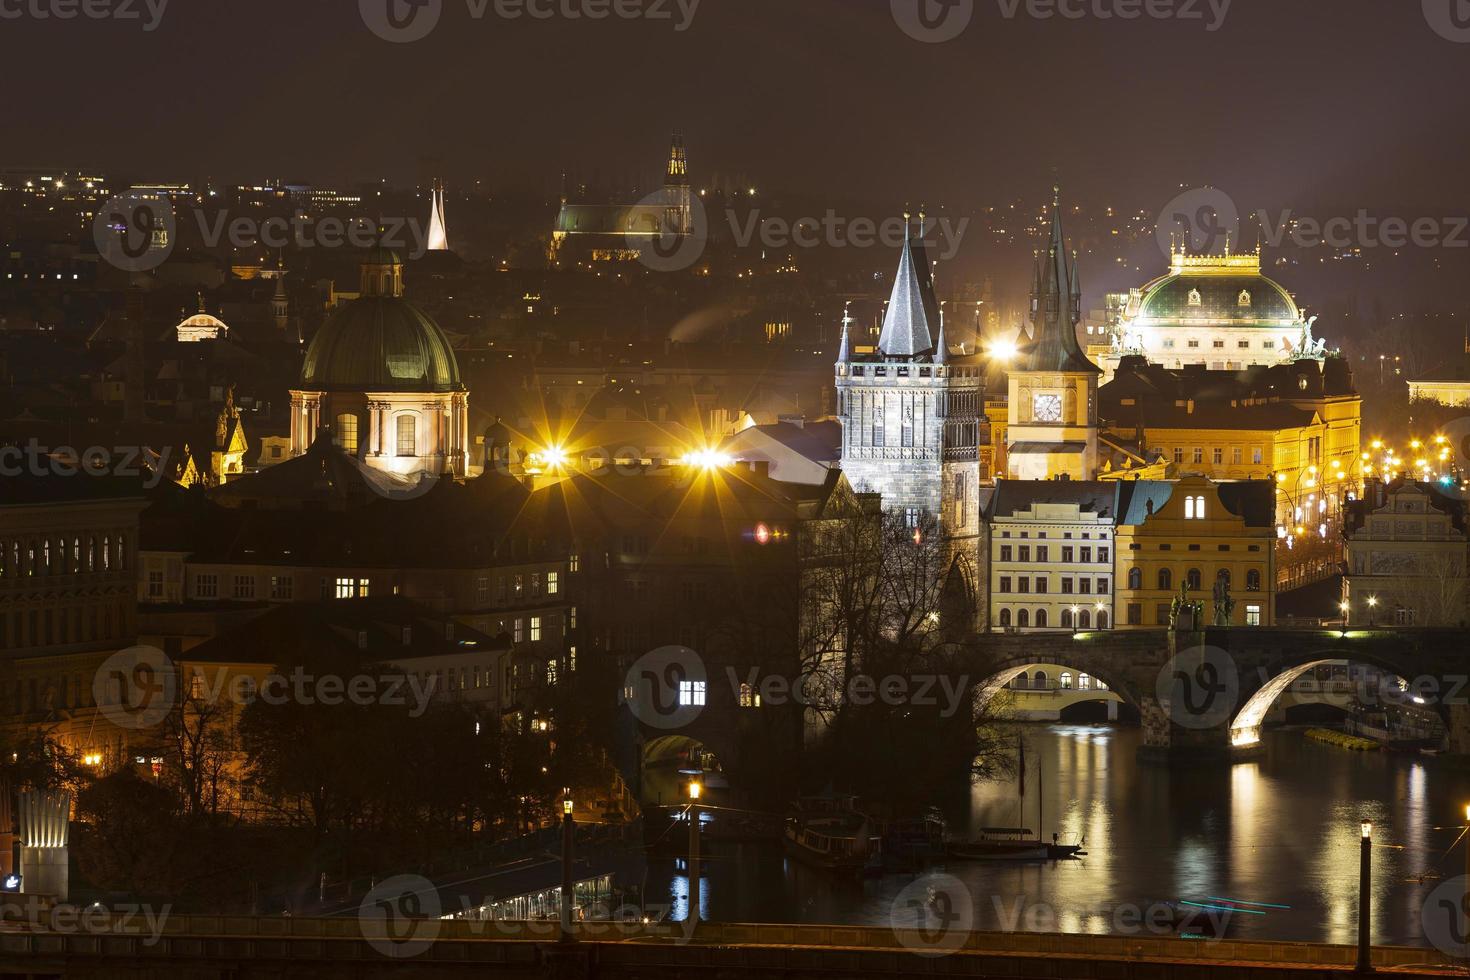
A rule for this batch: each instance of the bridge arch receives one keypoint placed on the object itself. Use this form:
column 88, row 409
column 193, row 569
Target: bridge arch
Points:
column 1004, row 677
column 1245, row 727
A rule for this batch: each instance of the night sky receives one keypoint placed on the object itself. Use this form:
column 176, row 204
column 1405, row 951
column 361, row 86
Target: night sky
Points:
column 1357, row 102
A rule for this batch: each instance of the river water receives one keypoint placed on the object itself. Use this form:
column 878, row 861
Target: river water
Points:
column 1280, row 831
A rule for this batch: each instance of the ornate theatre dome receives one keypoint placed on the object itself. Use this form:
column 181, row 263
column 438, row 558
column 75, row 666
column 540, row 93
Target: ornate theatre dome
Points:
column 1217, row 310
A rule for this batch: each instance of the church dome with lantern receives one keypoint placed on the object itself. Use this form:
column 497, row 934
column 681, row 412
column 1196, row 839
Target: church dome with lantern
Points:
column 382, row 377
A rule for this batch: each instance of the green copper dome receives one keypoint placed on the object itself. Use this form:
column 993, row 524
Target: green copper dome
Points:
column 380, row 343
column 1243, row 299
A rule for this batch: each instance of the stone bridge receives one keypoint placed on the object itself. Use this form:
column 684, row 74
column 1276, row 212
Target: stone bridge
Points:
column 1204, row 694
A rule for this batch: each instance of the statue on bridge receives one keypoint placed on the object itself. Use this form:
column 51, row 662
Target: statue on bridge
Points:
column 1185, row 613
column 1224, row 603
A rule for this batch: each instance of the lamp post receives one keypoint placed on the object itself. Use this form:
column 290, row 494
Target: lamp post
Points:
column 692, row 919
column 1372, row 609
column 1466, row 900
column 1365, row 875
column 568, row 838
column 1343, row 607
column 1075, row 610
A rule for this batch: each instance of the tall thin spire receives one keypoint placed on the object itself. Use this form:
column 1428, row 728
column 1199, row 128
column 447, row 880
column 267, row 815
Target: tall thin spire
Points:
column 941, row 346
column 844, row 350
column 1056, row 307
column 906, row 330
column 438, row 230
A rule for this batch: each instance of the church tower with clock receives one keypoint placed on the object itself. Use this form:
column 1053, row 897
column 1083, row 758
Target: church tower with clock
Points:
column 1052, row 431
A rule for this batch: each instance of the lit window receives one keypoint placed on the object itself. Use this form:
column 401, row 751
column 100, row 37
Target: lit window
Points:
column 347, row 433
column 407, row 435
column 346, row 588
column 553, row 583
column 691, row 694
column 535, row 628
column 1253, row 615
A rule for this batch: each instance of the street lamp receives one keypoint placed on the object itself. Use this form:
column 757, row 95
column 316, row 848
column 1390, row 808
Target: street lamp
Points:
column 1343, row 607
column 1372, row 608
column 692, row 919
column 1365, row 873
column 1101, row 607
column 568, row 838
column 1075, row 610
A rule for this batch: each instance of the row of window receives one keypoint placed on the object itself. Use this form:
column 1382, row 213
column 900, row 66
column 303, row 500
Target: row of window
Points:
column 1084, row 554
column 1165, row 579
column 1217, row 455
column 1134, row 613
column 517, row 587
column 1040, row 682
column 46, row 556
column 1220, row 344
column 405, row 432
column 1040, row 619
column 1082, row 586
column 25, row 628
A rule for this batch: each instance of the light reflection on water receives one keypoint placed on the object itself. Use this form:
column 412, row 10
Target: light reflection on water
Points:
column 1280, row 830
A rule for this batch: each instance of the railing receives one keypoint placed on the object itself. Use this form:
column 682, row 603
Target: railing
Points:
column 344, row 939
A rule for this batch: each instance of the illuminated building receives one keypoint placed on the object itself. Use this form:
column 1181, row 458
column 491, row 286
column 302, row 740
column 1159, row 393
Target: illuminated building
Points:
column 1052, row 394
column 381, row 377
column 1406, row 545
column 201, row 326
column 1447, row 383
column 912, row 410
column 1297, row 423
column 1220, row 311
column 1051, row 553
column 1197, row 532
column 616, row 232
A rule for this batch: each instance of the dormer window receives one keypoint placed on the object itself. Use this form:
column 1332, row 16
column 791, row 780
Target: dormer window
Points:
column 1195, row 299
column 1245, row 298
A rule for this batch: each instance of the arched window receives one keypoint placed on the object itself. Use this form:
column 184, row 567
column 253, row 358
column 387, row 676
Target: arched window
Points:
column 1005, row 617
column 1193, row 578
column 1102, row 620
column 1189, row 508
column 1166, row 579
column 1084, row 682
column 1199, row 508
column 407, row 435
column 1066, row 619
column 1039, row 680
column 1084, row 620
column 1253, row 581
column 1041, row 618
column 1023, row 618
column 1135, row 578
column 1066, row 680
column 346, row 434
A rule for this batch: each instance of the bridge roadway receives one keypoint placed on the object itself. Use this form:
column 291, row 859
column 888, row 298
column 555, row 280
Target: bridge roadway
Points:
column 245, row 948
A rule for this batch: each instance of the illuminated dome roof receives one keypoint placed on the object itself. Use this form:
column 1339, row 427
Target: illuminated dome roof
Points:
column 1227, row 289
column 380, row 341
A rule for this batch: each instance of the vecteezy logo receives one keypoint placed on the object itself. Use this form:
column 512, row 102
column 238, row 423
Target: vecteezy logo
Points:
column 400, row 916
column 665, row 688
column 669, row 234
column 1446, row 918
column 401, row 21
column 933, row 916
column 135, row 232
column 933, row 21
column 136, row 688
column 1449, row 18
column 1201, row 221
column 1199, row 687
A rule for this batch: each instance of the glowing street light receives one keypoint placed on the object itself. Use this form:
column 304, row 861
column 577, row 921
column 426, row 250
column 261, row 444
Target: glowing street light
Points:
column 568, row 841
column 691, row 920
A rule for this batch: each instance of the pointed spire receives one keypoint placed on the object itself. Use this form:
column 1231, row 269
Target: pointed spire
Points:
column 941, row 347
column 844, row 350
column 906, row 330
column 438, row 230
column 1056, row 308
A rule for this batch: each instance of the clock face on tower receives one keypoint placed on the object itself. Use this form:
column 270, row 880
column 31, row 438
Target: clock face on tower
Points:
column 1048, row 408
